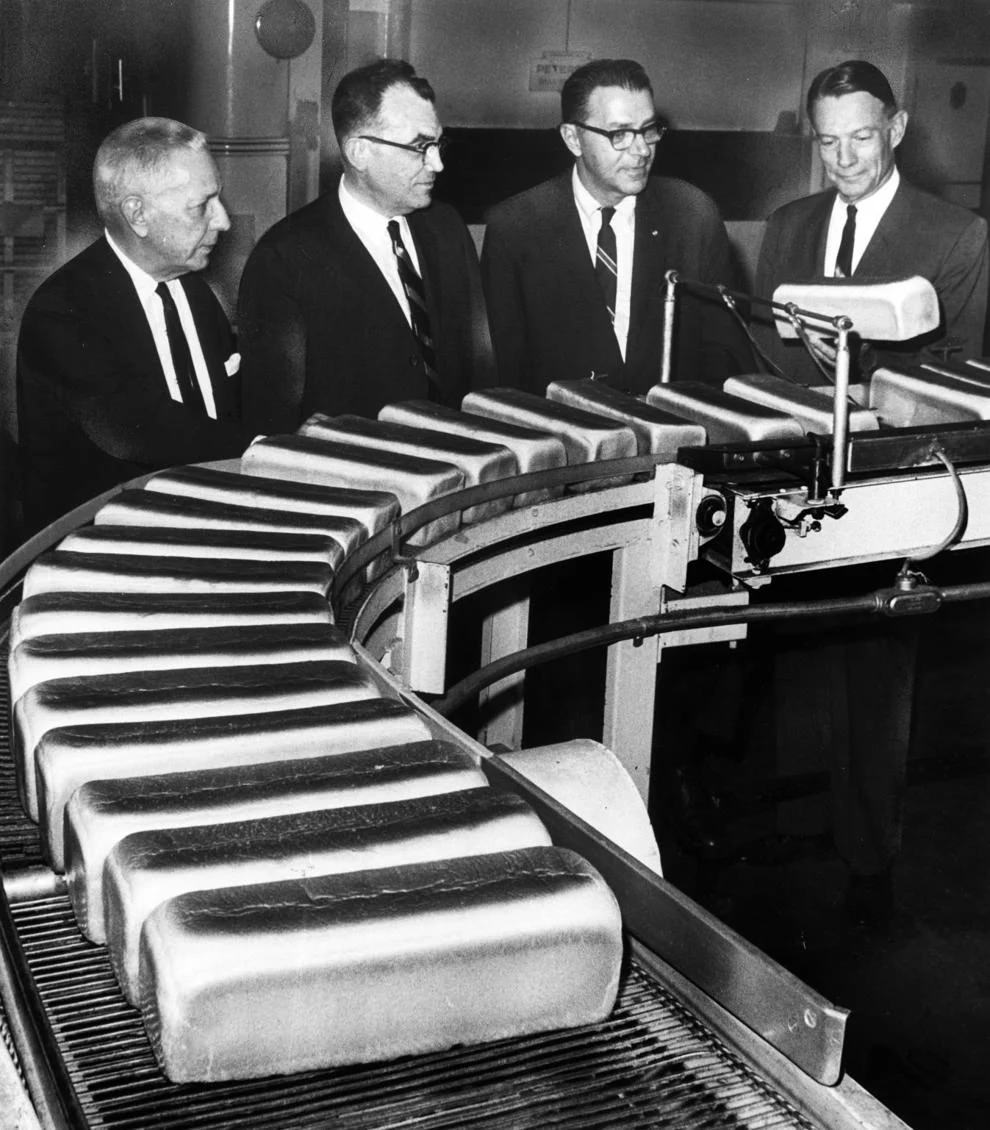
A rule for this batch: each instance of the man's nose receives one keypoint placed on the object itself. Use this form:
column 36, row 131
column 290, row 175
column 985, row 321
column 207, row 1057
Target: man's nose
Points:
column 220, row 219
column 846, row 154
column 639, row 145
column 433, row 159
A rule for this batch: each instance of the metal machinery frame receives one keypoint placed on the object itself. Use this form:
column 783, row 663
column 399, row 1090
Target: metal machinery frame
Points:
column 647, row 519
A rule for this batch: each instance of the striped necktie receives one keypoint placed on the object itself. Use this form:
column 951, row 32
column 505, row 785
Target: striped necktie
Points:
column 844, row 259
column 606, row 267
column 412, row 285
column 182, row 360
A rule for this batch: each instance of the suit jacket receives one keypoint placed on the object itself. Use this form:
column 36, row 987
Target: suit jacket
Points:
column 93, row 406
column 320, row 328
column 545, row 308
column 919, row 234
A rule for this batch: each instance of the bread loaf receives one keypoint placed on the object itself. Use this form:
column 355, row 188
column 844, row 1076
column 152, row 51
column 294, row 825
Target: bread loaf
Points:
column 69, row 756
column 102, row 572
column 145, row 868
column 374, row 509
column 177, row 541
column 587, row 437
column 67, row 612
column 310, row 973
column 534, row 450
column 101, row 813
column 657, row 432
column 153, row 508
column 412, row 480
column 478, row 461
column 104, row 653
column 725, row 418
column 184, row 693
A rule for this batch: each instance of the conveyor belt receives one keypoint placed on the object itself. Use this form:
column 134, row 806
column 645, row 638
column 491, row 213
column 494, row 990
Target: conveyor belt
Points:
column 650, row 1065
column 664, row 1058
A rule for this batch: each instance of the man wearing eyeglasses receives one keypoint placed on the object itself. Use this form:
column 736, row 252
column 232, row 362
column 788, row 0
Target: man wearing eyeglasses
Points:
column 873, row 224
column 371, row 293
column 574, row 268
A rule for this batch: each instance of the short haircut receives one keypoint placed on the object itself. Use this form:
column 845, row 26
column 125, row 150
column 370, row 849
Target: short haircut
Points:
column 851, row 77
column 357, row 100
column 582, row 83
column 131, row 158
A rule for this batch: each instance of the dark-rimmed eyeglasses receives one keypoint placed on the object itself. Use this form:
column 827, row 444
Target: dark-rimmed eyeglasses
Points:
column 420, row 148
column 623, row 138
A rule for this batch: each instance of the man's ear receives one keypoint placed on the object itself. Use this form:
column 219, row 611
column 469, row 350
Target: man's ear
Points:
column 898, row 124
column 572, row 139
column 132, row 209
column 356, row 152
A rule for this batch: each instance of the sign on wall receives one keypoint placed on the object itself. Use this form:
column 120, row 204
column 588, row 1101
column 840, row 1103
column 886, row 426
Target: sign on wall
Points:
column 548, row 73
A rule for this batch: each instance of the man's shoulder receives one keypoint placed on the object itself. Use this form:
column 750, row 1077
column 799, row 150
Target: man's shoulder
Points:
column 440, row 217
column 83, row 278
column 933, row 210
column 797, row 211
column 524, row 207
column 300, row 227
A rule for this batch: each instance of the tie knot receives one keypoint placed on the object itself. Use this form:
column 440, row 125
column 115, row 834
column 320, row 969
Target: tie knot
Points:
column 851, row 211
column 163, row 293
column 607, row 214
column 396, row 236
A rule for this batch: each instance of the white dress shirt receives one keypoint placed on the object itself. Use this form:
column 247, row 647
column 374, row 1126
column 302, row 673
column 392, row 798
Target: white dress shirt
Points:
column 145, row 286
column 869, row 213
column 371, row 228
column 624, row 226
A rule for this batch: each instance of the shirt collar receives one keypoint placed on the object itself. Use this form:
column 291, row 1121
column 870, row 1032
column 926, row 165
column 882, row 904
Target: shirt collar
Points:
column 143, row 282
column 361, row 216
column 588, row 205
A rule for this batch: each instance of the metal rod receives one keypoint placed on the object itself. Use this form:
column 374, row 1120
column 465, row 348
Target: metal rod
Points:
column 669, row 304
column 840, row 406
column 787, row 308
column 643, row 626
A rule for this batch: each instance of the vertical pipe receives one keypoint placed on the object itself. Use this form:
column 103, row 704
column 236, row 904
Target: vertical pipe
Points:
column 669, row 302
column 840, row 406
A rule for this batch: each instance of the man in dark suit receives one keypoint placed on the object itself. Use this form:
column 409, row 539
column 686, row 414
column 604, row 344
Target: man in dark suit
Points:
column 126, row 361
column 371, row 293
column 845, row 691
column 550, row 317
column 895, row 229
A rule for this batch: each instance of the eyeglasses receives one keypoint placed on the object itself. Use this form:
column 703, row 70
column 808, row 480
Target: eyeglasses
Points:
column 623, row 138
column 420, row 148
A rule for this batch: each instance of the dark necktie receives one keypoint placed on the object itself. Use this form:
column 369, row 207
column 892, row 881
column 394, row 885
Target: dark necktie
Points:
column 182, row 361
column 412, row 284
column 606, row 267
column 844, row 260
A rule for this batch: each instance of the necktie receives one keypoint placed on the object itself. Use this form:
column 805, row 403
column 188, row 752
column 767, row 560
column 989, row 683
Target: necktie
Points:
column 182, row 361
column 605, row 262
column 843, row 261
column 412, row 284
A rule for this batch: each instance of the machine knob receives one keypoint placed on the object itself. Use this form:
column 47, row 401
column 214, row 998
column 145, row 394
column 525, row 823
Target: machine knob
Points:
column 762, row 534
column 711, row 515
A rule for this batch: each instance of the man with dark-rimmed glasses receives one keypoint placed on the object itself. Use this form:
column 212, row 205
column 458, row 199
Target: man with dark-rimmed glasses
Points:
column 370, row 294
column 574, row 268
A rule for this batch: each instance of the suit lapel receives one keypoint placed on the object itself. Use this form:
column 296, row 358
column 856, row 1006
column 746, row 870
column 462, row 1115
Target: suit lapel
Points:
column 574, row 273
column 883, row 252
column 809, row 246
column 429, row 254
column 651, row 256
column 216, row 346
column 363, row 274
